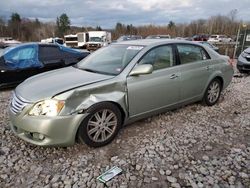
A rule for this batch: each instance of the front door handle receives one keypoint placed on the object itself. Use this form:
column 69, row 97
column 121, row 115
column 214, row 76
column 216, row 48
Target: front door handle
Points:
column 173, row 76
column 207, row 67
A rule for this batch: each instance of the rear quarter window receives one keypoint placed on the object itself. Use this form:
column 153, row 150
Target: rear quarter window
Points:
column 191, row 53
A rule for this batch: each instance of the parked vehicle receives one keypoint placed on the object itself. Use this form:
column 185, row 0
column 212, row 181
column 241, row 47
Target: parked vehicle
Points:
column 98, row 39
column 25, row 60
column 128, row 37
column 78, row 40
column 158, row 37
column 83, row 39
column 206, row 43
column 55, row 40
column 71, row 41
column 180, row 38
column 243, row 63
column 114, row 86
column 202, row 37
column 219, row 38
column 8, row 41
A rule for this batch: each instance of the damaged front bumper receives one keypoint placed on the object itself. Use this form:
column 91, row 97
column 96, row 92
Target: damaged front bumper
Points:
column 46, row 131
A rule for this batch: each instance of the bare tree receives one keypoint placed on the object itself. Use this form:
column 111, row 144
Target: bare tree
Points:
column 233, row 14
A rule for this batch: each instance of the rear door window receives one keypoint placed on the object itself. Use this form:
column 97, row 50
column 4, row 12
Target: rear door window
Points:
column 191, row 53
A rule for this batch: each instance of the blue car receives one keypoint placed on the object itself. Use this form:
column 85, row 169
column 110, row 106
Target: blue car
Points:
column 20, row 62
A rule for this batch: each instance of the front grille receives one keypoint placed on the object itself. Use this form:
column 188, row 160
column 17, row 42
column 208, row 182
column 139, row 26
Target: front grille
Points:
column 17, row 104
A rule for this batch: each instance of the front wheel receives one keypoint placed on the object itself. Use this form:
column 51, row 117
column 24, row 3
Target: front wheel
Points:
column 101, row 125
column 213, row 92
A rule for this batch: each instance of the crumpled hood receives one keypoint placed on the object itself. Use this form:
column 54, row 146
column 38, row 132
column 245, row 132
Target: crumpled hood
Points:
column 49, row 84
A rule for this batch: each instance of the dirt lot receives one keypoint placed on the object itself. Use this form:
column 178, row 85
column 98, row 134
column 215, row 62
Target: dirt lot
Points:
column 194, row 146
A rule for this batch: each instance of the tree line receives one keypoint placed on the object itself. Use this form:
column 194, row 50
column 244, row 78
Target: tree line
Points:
column 25, row 29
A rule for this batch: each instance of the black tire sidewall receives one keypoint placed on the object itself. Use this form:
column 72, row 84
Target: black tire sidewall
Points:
column 205, row 98
column 82, row 130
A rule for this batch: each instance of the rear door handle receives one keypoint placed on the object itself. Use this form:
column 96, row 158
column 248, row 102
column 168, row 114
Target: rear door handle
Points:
column 207, row 67
column 173, row 76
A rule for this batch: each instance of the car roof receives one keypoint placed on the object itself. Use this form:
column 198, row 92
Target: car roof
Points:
column 36, row 43
column 148, row 42
column 47, row 44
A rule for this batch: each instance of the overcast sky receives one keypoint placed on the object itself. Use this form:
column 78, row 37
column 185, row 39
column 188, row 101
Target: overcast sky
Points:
column 106, row 13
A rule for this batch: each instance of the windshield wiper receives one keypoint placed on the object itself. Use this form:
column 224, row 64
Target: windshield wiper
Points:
column 86, row 69
column 90, row 70
column 94, row 71
column 99, row 72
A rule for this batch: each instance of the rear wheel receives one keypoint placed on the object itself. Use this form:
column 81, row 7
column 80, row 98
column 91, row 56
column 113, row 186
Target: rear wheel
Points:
column 213, row 92
column 101, row 125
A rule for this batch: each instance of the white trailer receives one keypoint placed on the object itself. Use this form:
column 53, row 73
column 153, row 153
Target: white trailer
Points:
column 98, row 39
column 8, row 41
column 82, row 38
column 71, row 40
column 79, row 40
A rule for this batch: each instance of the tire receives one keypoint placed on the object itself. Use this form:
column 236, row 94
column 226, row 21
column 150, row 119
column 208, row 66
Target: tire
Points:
column 212, row 93
column 101, row 126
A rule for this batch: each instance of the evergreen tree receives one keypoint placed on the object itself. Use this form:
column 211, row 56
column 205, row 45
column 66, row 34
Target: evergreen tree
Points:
column 15, row 24
column 63, row 24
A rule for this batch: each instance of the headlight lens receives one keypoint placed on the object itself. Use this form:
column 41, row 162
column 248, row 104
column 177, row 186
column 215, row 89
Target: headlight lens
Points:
column 47, row 108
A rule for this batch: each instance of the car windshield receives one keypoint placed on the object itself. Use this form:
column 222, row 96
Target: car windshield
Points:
column 95, row 39
column 5, row 50
column 22, row 56
column 109, row 60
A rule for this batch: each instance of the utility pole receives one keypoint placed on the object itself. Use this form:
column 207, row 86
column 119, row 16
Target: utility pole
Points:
column 237, row 41
column 244, row 38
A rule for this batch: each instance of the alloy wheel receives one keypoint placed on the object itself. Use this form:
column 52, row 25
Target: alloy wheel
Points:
column 213, row 92
column 102, row 125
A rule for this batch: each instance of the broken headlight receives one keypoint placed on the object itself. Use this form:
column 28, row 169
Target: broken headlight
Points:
column 49, row 107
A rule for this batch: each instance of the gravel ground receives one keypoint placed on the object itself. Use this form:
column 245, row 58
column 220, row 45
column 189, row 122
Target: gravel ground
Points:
column 195, row 146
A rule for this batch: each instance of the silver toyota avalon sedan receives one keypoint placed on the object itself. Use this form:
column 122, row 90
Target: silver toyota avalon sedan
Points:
column 114, row 86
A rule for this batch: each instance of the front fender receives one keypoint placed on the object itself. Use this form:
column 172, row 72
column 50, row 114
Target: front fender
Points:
column 116, row 97
column 80, row 99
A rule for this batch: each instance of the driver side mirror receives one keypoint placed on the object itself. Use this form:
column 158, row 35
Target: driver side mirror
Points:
column 141, row 69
